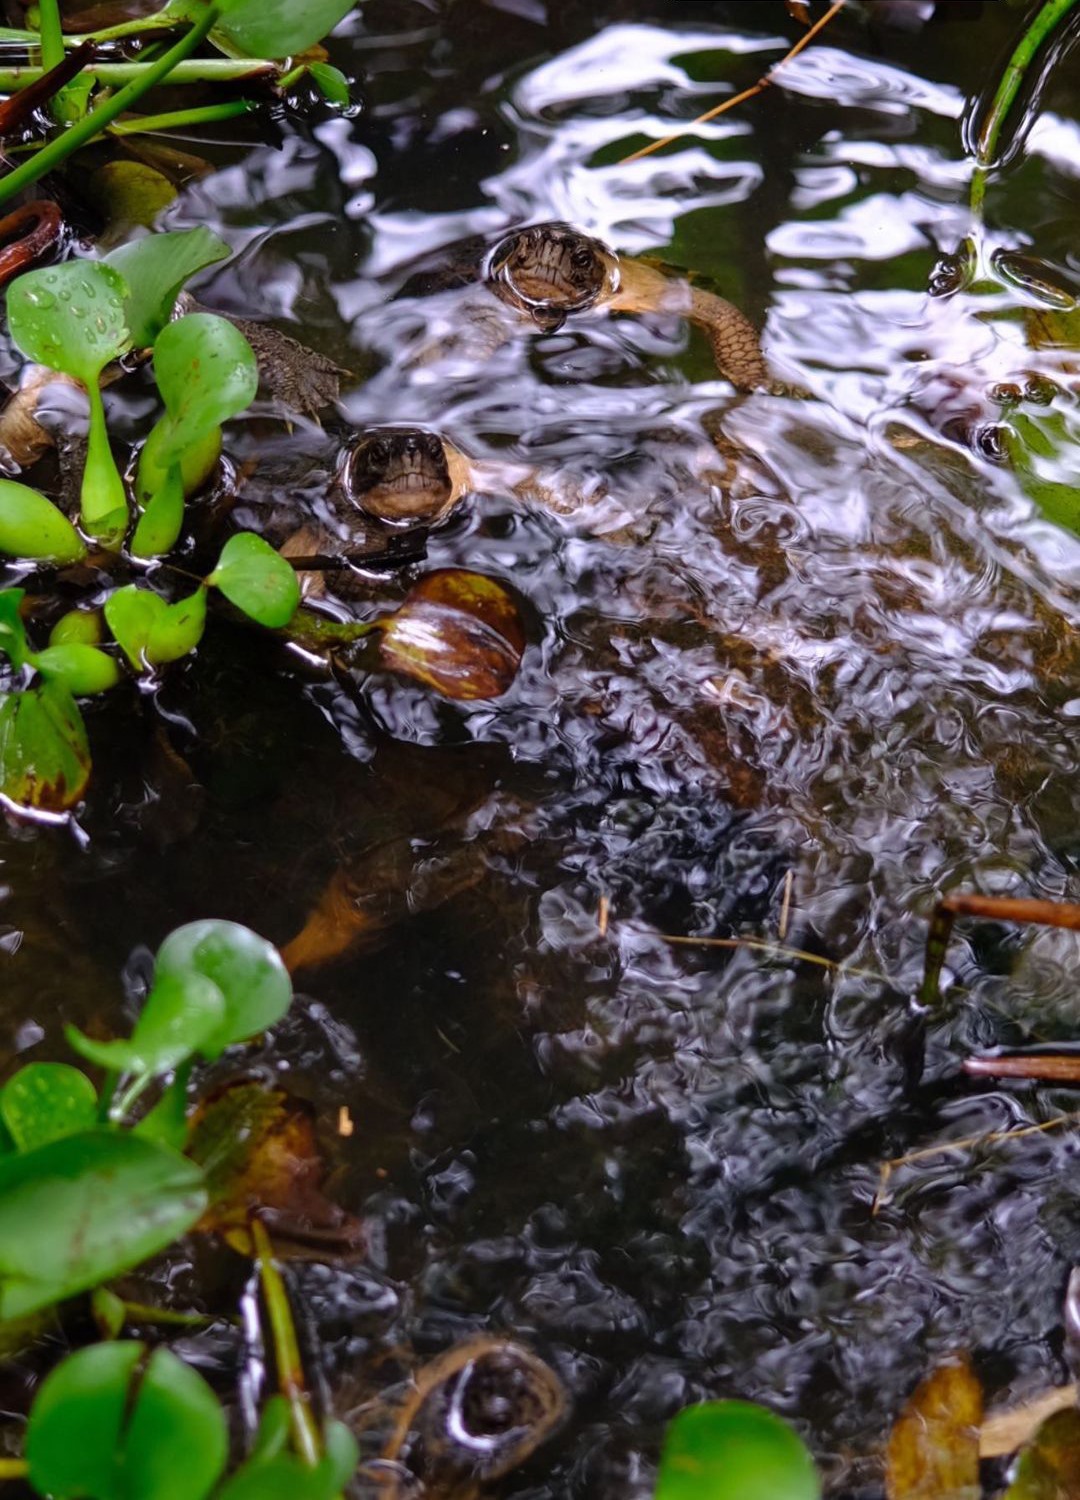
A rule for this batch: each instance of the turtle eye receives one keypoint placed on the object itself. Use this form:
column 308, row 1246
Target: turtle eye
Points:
column 581, row 258
column 380, row 450
column 432, row 446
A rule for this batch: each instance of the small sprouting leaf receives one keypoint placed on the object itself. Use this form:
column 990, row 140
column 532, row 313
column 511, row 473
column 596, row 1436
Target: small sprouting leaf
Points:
column 152, row 632
column 44, row 754
column 79, row 627
column 102, row 1428
column 246, row 969
column 734, row 1450
column 933, row 1451
column 155, row 269
column 31, row 526
column 331, row 83
column 206, row 372
column 260, row 1153
column 12, row 631
column 81, row 669
column 457, row 632
column 70, row 317
column 1049, row 1467
column 83, row 1209
column 44, row 1102
column 257, row 580
column 181, row 1011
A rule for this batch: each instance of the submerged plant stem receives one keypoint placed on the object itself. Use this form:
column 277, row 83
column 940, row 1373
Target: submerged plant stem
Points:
column 176, row 119
column 290, row 1370
column 1047, row 20
column 200, row 70
column 61, row 147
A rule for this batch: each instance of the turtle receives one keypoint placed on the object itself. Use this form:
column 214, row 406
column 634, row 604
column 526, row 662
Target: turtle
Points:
column 546, row 273
column 465, row 1419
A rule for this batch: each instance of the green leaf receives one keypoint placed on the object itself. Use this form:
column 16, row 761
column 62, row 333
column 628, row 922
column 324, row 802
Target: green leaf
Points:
column 206, row 372
column 83, row 1209
column 71, row 318
column 44, row 755
column 149, row 630
column 162, row 521
column 282, row 1476
column 331, row 83
column 257, row 580
column 1043, row 448
column 1049, row 1467
column 273, row 28
column 167, row 1121
column 12, row 631
column 155, row 269
column 104, row 1429
column 182, row 1010
column 734, row 1450
column 246, row 969
column 44, row 1102
column 81, row 669
column 79, row 627
column 31, row 526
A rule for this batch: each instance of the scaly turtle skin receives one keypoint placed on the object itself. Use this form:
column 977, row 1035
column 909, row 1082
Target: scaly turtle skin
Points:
column 469, row 1417
column 549, row 272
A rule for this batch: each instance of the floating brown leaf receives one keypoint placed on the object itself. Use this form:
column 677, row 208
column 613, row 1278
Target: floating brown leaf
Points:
column 457, row 632
column 1050, row 1468
column 933, row 1451
column 1005, row 1431
column 259, row 1151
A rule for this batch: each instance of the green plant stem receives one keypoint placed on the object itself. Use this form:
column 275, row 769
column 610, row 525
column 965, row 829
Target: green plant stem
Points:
column 290, row 1369
column 201, row 70
column 165, row 1317
column 61, row 147
column 52, row 33
column 13, row 1468
column 175, row 119
column 1048, row 18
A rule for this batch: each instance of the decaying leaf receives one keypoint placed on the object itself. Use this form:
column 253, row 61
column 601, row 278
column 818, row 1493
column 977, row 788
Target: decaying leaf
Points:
column 258, row 1149
column 1004, row 1432
column 933, row 1451
column 457, row 632
column 44, row 754
column 1049, row 1469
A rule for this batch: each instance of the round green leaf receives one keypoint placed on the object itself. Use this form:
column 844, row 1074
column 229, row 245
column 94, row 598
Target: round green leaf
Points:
column 101, row 1429
column 151, row 631
column 206, row 372
column 275, row 28
column 81, row 669
column 44, row 754
column 246, row 968
column 155, row 269
column 181, row 1011
column 70, row 317
column 31, row 526
column 178, row 629
column 79, row 627
column 83, row 1209
column 331, row 83
column 43, row 1102
column 257, row 580
column 734, row 1450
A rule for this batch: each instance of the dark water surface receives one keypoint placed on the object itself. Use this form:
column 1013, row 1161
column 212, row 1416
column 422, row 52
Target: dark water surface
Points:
column 851, row 675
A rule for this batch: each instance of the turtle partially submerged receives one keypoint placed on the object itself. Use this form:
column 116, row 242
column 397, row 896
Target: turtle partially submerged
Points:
column 465, row 1419
column 547, row 273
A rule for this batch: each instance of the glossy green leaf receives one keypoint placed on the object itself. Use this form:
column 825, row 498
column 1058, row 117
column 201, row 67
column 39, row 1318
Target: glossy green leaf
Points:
column 206, row 372
column 155, row 269
column 105, row 1428
column 273, row 28
column 79, row 627
column 331, row 83
column 285, row 1477
column 71, row 318
column 152, row 632
column 12, row 630
column 81, row 669
column 44, row 754
column 734, row 1450
column 257, row 580
column 182, row 1010
column 1043, row 448
column 31, row 526
column 83, row 1209
column 44, row 1102
column 246, row 969
column 162, row 521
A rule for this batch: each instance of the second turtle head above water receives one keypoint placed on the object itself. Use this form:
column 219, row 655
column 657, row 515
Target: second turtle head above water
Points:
column 551, row 271
column 400, row 475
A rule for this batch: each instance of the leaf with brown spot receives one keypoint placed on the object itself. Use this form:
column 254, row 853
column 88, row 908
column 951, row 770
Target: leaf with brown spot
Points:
column 1049, row 1469
column 44, row 754
column 458, row 632
column 258, row 1149
column 933, row 1451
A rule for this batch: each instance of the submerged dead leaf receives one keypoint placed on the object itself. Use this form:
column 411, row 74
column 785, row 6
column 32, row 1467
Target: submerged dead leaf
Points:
column 1004, row 1432
column 1050, row 1468
column 458, row 632
column 933, row 1451
column 259, row 1151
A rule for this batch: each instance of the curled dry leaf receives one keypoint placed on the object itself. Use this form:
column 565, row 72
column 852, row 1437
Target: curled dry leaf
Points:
column 1005, row 1431
column 458, row 632
column 933, row 1451
column 258, row 1149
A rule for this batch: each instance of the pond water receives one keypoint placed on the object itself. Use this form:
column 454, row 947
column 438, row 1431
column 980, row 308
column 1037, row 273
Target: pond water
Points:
column 799, row 701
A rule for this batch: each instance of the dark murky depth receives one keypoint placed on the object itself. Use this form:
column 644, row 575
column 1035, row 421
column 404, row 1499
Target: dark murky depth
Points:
column 856, row 666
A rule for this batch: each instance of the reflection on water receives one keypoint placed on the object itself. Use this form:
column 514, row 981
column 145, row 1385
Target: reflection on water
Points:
column 805, row 656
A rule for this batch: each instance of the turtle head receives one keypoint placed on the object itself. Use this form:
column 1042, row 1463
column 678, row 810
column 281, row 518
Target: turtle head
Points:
column 549, row 271
column 399, row 474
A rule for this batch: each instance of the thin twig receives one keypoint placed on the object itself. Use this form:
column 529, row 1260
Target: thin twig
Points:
column 762, row 84
column 762, row 945
column 785, row 905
